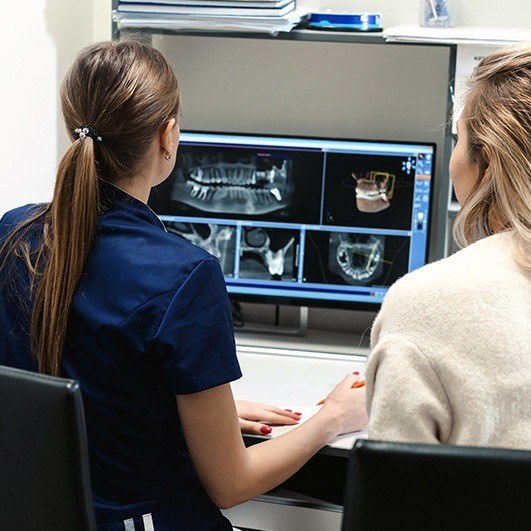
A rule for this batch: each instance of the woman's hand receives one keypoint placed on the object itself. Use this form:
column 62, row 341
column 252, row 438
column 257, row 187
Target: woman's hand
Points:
column 347, row 406
column 231, row 473
column 255, row 417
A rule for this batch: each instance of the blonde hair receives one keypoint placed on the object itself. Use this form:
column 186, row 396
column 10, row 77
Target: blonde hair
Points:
column 126, row 91
column 497, row 117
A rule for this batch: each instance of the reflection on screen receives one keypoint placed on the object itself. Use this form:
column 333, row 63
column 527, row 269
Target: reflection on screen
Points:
column 298, row 219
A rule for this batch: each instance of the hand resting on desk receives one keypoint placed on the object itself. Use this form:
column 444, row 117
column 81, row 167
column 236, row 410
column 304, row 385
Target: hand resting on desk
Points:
column 255, row 418
column 231, row 473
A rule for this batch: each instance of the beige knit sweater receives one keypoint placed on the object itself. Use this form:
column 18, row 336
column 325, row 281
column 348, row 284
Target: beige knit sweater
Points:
column 451, row 358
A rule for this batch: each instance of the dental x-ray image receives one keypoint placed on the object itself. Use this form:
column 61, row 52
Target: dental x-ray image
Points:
column 234, row 184
column 269, row 254
column 218, row 240
column 242, row 183
column 354, row 258
column 369, row 191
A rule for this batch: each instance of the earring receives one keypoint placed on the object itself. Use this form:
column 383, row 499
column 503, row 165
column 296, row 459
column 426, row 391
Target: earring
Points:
column 167, row 156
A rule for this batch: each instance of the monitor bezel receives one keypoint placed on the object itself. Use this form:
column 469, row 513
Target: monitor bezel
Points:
column 323, row 303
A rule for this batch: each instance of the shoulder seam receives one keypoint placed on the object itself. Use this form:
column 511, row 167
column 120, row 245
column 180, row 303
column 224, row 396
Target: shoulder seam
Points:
column 160, row 294
column 143, row 304
column 206, row 259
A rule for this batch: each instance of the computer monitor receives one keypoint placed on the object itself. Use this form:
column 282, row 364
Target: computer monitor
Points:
column 299, row 220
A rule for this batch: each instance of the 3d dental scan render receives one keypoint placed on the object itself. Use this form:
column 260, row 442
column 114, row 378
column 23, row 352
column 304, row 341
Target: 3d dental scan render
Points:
column 305, row 220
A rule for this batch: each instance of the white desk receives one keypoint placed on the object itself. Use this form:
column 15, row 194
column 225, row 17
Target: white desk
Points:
column 298, row 371
column 287, row 371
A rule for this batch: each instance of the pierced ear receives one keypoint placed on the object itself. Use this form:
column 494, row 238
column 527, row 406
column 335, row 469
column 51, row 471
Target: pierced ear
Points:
column 166, row 135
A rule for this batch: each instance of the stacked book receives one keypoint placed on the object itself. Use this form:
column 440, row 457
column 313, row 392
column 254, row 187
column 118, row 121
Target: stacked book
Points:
column 233, row 15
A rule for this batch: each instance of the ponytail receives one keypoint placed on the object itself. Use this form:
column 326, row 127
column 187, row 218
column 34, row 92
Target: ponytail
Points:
column 68, row 235
column 56, row 266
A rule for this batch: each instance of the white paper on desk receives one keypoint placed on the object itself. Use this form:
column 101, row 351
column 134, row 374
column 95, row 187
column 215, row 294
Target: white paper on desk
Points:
column 343, row 441
column 458, row 35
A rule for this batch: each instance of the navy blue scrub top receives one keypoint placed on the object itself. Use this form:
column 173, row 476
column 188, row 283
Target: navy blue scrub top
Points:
column 150, row 319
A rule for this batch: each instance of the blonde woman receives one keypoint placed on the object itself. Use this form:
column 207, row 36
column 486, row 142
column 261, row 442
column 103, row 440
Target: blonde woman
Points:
column 451, row 358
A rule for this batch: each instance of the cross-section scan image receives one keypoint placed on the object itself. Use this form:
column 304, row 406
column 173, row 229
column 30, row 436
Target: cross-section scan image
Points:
column 269, row 254
column 218, row 240
column 242, row 183
column 355, row 259
column 369, row 191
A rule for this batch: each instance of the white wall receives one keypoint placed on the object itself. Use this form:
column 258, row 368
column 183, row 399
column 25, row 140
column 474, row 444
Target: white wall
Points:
column 37, row 44
column 39, row 40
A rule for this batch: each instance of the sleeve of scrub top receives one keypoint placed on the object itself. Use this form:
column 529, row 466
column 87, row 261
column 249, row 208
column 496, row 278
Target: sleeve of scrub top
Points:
column 195, row 338
column 405, row 398
column 7, row 225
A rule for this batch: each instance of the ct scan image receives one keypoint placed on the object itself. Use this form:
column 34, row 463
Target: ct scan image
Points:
column 218, row 240
column 242, row 183
column 369, row 191
column 246, row 184
column 269, row 254
column 355, row 259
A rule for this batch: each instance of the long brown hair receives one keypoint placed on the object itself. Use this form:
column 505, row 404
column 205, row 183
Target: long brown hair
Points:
column 497, row 117
column 126, row 91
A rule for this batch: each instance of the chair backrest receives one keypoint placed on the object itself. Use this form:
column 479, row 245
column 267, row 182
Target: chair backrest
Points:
column 44, row 472
column 436, row 487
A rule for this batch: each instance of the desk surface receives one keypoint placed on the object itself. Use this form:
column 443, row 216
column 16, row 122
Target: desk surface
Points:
column 340, row 446
column 293, row 377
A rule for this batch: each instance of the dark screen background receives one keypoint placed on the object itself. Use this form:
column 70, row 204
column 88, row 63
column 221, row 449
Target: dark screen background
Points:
column 340, row 192
column 305, row 179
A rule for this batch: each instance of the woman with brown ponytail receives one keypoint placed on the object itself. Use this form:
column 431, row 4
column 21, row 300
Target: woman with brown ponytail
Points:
column 92, row 287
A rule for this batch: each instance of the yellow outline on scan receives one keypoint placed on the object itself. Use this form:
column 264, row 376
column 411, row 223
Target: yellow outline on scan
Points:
column 391, row 188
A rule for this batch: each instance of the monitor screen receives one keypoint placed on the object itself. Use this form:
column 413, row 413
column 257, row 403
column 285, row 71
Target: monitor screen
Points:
column 309, row 221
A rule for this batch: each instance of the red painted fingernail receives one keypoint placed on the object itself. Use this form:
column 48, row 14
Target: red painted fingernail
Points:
column 298, row 414
column 266, row 430
column 356, row 373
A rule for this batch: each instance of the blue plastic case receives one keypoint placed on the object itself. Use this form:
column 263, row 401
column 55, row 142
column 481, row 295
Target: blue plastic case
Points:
column 345, row 21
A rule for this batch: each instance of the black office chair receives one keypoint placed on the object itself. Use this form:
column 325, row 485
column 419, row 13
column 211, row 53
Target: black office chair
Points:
column 432, row 487
column 44, row 473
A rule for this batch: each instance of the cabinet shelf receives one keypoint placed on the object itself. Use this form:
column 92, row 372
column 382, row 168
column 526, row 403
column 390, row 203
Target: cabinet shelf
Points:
column 294, row 35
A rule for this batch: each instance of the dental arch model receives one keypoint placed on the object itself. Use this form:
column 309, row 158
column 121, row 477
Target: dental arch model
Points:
column 374, row 191
column 257, row 241
column 254, row 188
column 358, row 259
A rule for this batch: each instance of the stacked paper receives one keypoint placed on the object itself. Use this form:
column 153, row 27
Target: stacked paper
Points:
column 269, row 16
column 458, row 35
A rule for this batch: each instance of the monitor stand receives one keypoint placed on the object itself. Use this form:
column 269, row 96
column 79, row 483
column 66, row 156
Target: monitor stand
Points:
column 299, row 331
